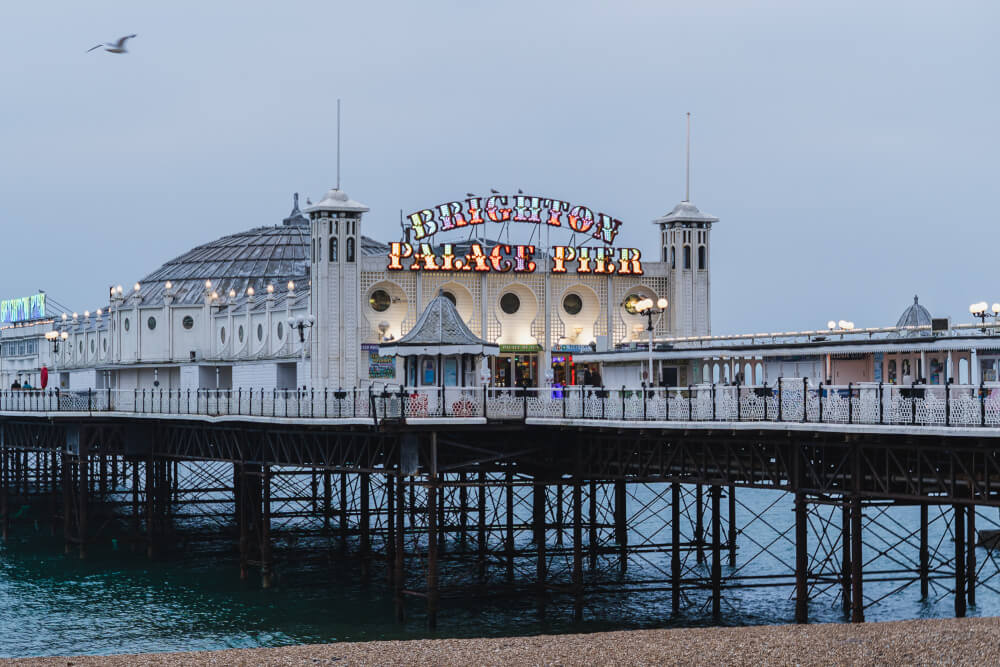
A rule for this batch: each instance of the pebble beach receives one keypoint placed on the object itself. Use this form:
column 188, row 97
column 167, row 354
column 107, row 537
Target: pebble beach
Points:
column 971, row 641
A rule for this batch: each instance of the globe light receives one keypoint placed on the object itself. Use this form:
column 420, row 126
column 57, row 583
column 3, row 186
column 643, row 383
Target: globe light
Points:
column 250, row 291
column 169, row 285
column 644, row 304
column 831, row 324
column 270, row 289
column 64, row 316
column 972, row 308
column 51, row 335
column 136, row 287
column 120, row 290
column 232, row 293
column 86, row 313
column 843, row 324
column 215, row 295
column 75, row 316
column 64, row 335
column 996, row 309
column 291, row 285
column 661, row 303
column 208, row 284
column 99, row 312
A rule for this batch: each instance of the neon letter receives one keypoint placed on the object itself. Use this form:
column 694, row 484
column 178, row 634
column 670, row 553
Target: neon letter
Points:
column 581, row 219
column 398, row 251
column 451, row 215
column 475, row 206
column 498, row 261
column 427, row 254
column 560, row 255
column 522, row 259
column 583, row 254
column 476, row 259
column 601, row 263
column 629, row 262
column 422, row 223
column 527, row 209
column 556, row 209
column 493, row 210
column 607, row 228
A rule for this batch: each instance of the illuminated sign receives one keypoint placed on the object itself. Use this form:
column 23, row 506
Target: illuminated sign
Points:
column 417, row 253
column 22, row 309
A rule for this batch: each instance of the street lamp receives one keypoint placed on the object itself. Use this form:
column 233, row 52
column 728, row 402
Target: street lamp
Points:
column 982, row 311
column 648, row 308
column 302, row 323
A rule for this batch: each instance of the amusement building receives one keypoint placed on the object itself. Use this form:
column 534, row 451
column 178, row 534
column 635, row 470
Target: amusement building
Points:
column 313, row 302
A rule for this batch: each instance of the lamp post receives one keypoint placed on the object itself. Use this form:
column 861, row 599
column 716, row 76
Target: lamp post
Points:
column 55, row 337
column 648, row 308
column 981, row 311
column 301, row 323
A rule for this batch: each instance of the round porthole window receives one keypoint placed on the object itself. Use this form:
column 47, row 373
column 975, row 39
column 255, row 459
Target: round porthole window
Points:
column 281, row 330
column 187, row 322
column 572, row 304
column 126, row 324
column 509, row 303
column 151, row 323
column 260, row 332
column 450, row 297
column 380, row 301
column 629, row 303
column 239, row 333
column 222, row 334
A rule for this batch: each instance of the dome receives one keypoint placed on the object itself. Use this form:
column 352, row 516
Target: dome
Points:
column 255, row 257
column 337, row 201
column 914, row 316
column 685, row 212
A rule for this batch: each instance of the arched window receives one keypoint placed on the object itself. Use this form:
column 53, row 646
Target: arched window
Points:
column 333, row 248
column 665, row 254
column 313, row 246
column 701, row 257
column 673, row 257
column 687, row 257
column 350, row 249
column 963, row 371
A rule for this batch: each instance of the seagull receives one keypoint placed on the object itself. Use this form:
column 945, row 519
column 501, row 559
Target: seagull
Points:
column 114, row 47
column 496, row 192
column 520, row 191
column 469, row 194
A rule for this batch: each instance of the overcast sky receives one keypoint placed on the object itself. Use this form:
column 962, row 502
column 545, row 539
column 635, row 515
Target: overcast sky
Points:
column 849, row 148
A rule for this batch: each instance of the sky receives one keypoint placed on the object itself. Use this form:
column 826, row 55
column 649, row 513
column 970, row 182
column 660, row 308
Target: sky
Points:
column 848, row 148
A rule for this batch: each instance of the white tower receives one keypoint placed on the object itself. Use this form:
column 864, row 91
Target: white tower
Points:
column 685, row 239
column 335, row 224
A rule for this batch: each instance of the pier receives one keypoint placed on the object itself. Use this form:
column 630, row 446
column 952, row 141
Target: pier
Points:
column 570, row 493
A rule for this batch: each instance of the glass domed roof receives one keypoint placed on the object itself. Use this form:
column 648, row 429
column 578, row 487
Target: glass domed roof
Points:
column 914, row 316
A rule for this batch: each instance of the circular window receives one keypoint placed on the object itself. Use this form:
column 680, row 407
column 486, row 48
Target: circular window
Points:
column 222, row 334
column 240, row 333
column 380, row 301
column 509, row 303
column 281, row 330
column 260, row 332
column 187, row 322
column 126, row 324
column 629, row 303
column 92, row 347
column 151, row 323
column 572, row 304
column 450, row 297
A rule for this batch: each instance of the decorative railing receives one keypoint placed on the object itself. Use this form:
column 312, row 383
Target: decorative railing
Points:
column 787, row 400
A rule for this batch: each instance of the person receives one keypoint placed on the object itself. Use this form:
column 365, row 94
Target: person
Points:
column 588, row 378
column 27, row 385
column 16, row 384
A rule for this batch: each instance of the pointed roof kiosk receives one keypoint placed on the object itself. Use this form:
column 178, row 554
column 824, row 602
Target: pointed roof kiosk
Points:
column 440, row 350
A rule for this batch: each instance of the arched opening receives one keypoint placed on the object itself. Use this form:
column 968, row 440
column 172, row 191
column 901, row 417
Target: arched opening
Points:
column 759, row 374
column 701, row 257
column 716, row 372
column 673, row 257
column 706, row 374
column 687, row 257
column 350, row 249
column 333, row 248
column 963, row 371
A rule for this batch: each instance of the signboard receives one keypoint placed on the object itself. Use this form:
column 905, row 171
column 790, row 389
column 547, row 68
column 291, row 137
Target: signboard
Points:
column 379, row 366
column 418, row 253
column 22, row 309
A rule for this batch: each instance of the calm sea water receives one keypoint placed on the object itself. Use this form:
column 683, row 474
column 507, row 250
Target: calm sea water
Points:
column 117, row 601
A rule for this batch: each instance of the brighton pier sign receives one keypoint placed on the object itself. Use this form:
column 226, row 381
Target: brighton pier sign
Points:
column 418, row 253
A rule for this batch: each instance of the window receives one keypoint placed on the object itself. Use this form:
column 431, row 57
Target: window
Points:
column 281, row 330
column 380, row 301
column 105, row 344
column 701, row 257
column 333, row 248
column 427, row 376
column 239, row 333
column 222, row 335
column 450, row 297
column 572, row 304
column 509, row 303
column 260, row 332
column 673, row 257
column 126, row 324
column 312, row 244
column 151, row 323
column 629, row 303
column 187, row 322
column 350, row 249
column 666, row 253
column 81, row 347
column 687, row 257
column 93, row 347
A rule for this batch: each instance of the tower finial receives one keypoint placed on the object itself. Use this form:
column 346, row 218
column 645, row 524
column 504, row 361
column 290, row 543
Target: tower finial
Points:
column 687, row 169
column 338, row 143
column 914, row 299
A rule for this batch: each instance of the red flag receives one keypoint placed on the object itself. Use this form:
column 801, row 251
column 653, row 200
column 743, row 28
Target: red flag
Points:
column 44, row 374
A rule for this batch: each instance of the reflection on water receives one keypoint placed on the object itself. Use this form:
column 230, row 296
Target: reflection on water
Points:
column 117, row 601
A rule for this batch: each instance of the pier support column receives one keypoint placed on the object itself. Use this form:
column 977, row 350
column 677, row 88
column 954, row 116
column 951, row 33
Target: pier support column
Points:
column 327, row 500
column 845, row 557
column 716, row 492
column 857, row 587
column 241, row 492
column 675, row 547
column 732, row 525
column 509, row 517
column 959, row 561
column 577, row 550
column 463, row 509
column 134, row 537
column 432, row 536
column 84, row 491
column 538, row 532
column 481, row 524
column 364, row 522
column 4, row 483
column 389, row 497
column 924, row 554
column 266, row 562
column 801, row 559
column 699, row 524
column 621, row 525
column 970, row 563
column 592, row 527
column 398, row 576
column 67, row 489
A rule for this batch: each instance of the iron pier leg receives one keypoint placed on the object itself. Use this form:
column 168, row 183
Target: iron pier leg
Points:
column 538, row 532
column 151, row 487
column 54, row 479
column 959, row 561
column 135, row 506
column 577, row 550
column 463, row 508
column 732, row 525
column 441, row 498
column 621, row 525
column 365, row 522
column 845, row 557
column 970, row 565
column 4, row 507
column 67, row 487
column 716, row 552
column 343, row 509
column 675, row 547
column 327, row 501
column 390, row 521
column 83, row 488
column 560, row 519
column 266, row 573
column 924, row 554
column 509, row 538
column 398, row 578
column 592, row 527
column 801, row 559
column 481, row 524
column 432, row 541
column 243, row 516
column 857, row 587
column 699, row 527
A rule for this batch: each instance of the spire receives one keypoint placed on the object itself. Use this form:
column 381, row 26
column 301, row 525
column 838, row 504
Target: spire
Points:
column 296, row 217
column 687, row 163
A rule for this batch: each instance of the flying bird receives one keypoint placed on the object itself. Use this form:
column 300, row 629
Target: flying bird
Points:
column 114, row 47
